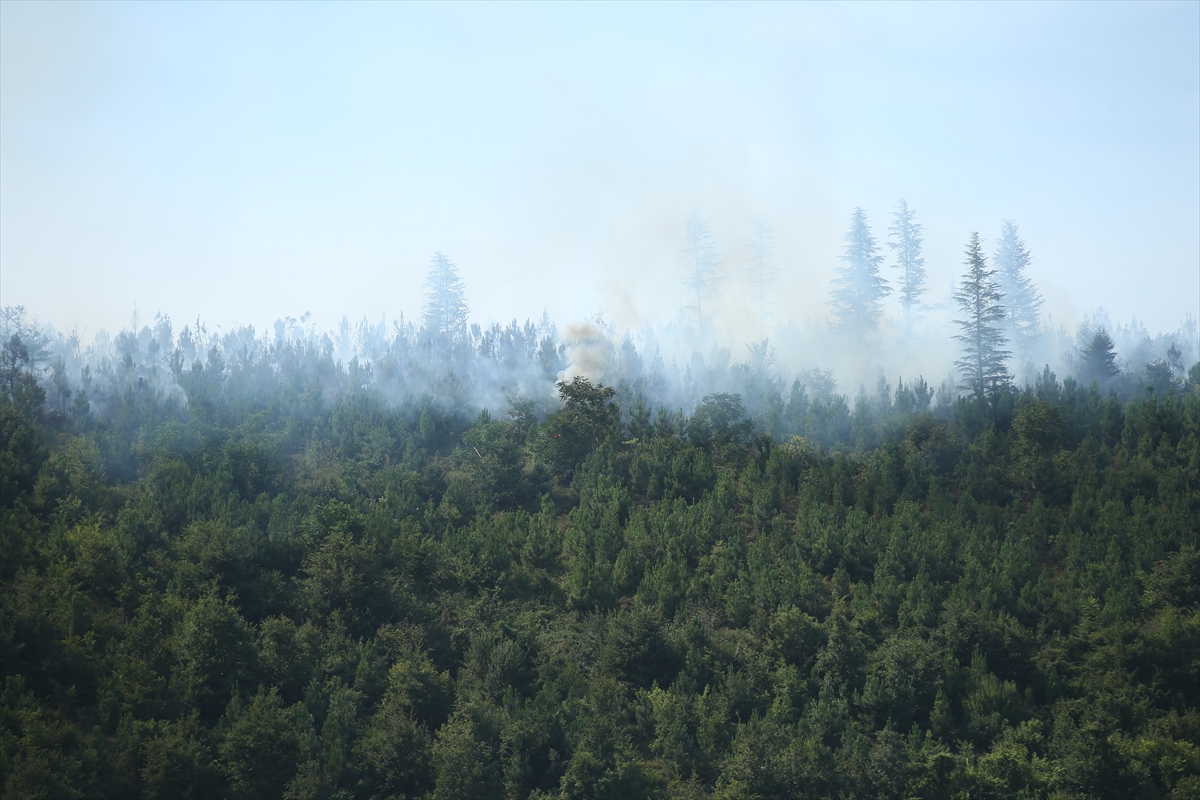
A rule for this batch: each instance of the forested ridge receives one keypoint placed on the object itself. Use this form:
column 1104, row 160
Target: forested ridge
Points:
column 282, row 584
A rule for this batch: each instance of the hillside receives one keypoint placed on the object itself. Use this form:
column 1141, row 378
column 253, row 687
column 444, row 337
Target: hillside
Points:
column 268, row 590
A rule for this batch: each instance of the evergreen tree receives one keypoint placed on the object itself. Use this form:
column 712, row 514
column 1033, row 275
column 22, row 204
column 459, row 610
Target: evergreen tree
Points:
column 1099, row 359
column 445, row 304
column 1175, row 360
column 761, row 269
column 906, row 233
column 982, row 365
column 701, row 263
column 1022, row 301
column 859, row 289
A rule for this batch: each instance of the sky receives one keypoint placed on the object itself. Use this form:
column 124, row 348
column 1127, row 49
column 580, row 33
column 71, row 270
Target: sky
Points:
column 242, row 162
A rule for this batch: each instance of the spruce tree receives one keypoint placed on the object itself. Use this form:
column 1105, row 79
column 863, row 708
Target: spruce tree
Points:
column 906, row 234
column 761, row 269
column 858, row 288
column 445, row 303
column 1022, row 301
column 1099, row 359
column 701, row 264
column 982, row 366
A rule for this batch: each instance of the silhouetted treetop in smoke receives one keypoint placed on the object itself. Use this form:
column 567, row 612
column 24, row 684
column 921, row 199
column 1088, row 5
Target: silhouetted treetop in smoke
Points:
column 905, row 234
column 1099, row 359
column 760, row 266
column 859, row 289
column 445, row 304
column 1022, row 302
column 914, row 397
column 701, row 264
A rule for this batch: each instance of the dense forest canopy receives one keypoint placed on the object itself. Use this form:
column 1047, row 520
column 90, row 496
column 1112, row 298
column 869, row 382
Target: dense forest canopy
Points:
column 366, row 564
column 445, row 560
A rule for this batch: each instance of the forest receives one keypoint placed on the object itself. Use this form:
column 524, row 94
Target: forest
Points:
column 464, row 561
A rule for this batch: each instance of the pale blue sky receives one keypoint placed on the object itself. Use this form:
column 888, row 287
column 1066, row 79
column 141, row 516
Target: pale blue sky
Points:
column 243, row 162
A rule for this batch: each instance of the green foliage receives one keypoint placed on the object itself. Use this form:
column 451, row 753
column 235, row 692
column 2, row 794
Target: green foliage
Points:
column 261, row 747
column 587, row 417
column 720, row 419
column 996, row 598
column 979, row 299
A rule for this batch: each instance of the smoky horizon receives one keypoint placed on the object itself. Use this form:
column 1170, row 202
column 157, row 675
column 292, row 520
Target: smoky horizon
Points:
column 243, row 163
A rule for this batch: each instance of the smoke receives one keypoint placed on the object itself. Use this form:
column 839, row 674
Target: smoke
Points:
column 590, row 352
column 639, row 347
column 805, row 378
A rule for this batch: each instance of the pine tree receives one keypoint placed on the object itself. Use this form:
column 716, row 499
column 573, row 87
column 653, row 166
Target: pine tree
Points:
column 1021, row 297
column 445, row 304
column 906, row 233
column 1099, row 359
column 982, row 365
column 761, row 270
column 701, row 263
column 859, row 289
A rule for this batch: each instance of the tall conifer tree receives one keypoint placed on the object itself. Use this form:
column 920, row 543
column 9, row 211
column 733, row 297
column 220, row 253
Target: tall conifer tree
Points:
column 445, row 303
column 858, row 288
column 906, row 244
column 701, row 264
column 982, row 366
column 1099, row 359
column 1022, row 301
column 761, row 269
